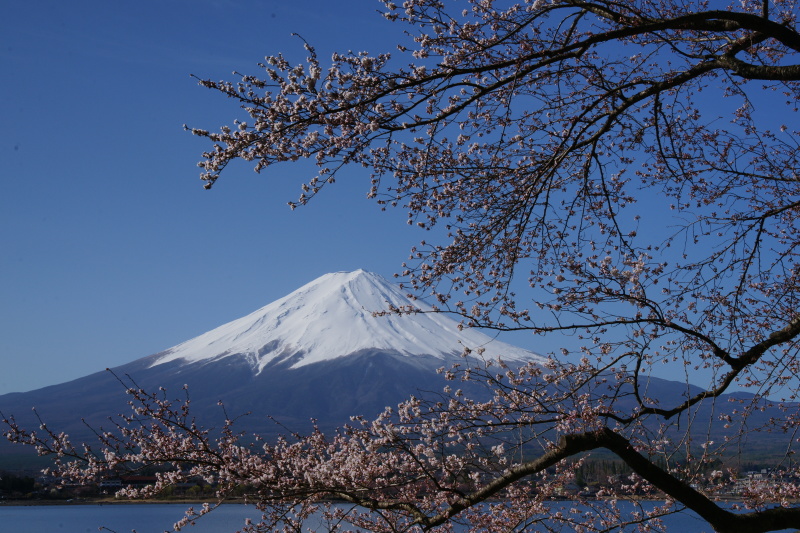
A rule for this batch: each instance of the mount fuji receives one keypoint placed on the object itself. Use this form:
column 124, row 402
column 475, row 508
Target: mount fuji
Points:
column 333, row 317
column 320, row 352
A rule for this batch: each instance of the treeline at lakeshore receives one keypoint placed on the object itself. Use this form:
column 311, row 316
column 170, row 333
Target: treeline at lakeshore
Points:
column 724, row 479
column 16, row 486
column 591, row 478
column 20, row 487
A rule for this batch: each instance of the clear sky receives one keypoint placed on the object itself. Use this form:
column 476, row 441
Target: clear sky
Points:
column 111, row 248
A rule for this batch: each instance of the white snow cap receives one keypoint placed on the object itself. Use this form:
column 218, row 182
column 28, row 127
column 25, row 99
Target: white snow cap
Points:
column 332, row 317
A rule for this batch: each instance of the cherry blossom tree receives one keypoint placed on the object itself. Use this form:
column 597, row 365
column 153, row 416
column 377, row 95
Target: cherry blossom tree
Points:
column 619, row 176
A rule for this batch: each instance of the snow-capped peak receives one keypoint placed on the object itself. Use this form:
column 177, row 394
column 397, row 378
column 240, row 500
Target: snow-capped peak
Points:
column 333, row 317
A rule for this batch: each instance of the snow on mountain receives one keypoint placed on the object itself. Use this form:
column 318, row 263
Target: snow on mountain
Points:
column 333, row 317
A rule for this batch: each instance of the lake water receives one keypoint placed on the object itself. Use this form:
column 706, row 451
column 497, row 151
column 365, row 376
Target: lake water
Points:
column 122, row 518
column 156, row 518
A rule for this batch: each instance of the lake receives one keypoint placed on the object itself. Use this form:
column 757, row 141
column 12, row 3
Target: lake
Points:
column 122, row 518
column 155, row 518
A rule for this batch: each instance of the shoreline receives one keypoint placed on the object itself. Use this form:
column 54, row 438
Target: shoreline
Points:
column 111, row 501
column 237, row 501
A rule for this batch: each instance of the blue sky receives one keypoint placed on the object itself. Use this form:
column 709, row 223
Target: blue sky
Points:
column 111, row 248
